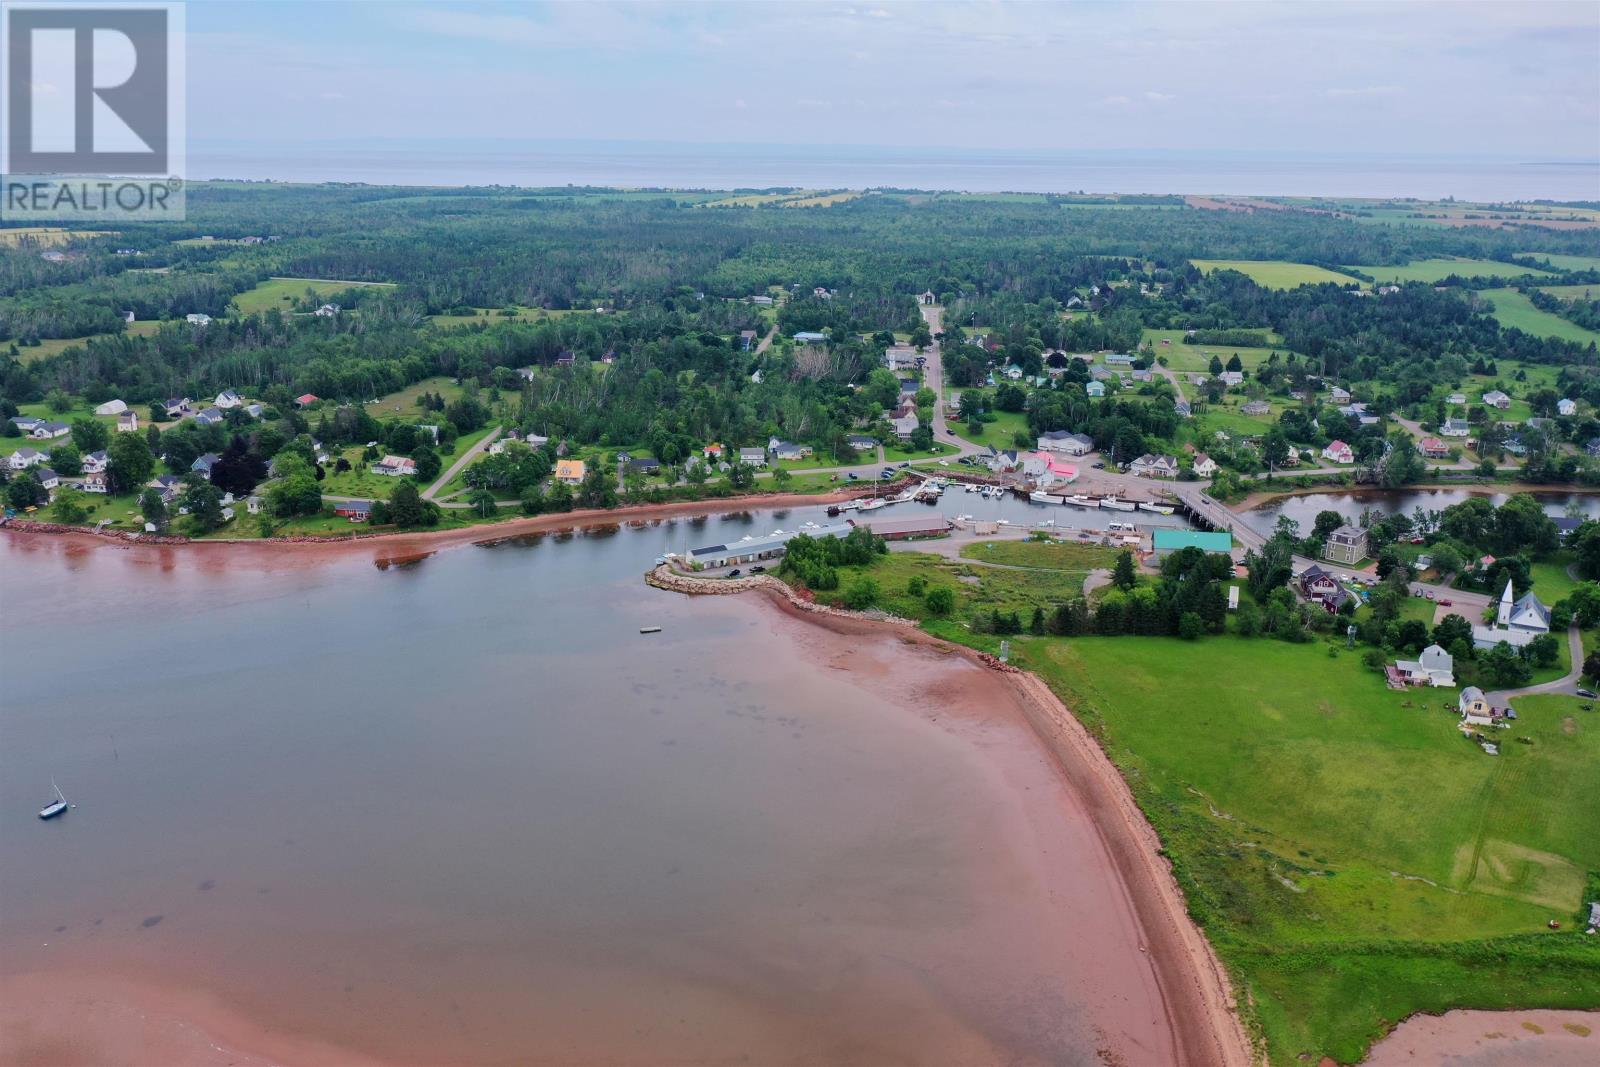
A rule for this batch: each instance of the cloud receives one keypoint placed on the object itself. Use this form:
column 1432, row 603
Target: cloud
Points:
column 1158, row 98
column 1367, row 90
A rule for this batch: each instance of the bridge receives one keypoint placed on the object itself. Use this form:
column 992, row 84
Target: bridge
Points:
column 1206, row 512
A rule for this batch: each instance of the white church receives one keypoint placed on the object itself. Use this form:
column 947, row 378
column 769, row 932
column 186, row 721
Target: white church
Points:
column 1516, row 623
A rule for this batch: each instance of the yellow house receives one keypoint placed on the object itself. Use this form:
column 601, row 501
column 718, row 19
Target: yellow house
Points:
column 570, row 471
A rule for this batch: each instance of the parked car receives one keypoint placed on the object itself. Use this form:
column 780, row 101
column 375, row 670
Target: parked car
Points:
column 758, row 570
column 1588, row 694
column 1446, row 603
column 734, row 573
column 1099, row 466
column 1428, row 593
column 853, row 476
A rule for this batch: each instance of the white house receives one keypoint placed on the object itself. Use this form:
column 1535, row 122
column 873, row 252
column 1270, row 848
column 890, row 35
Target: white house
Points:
column 1434, row 667
column 95, row 462
column 128, row 422
column 209, row 417
column 46, row 431
column 1071, row 444
column 47, row 477
column 1456, row 398
column 1496, row 399
column 753, row 457
column 1153, row 466
column 198, row 319
column 93, row 483
column 781, row 449
column 203, row 464
column 1338, row 452
column 111, row 407
column 905, row 425
column 901, row 357
column 1232, row 377
column 1204, row 465
column 395, row 466
column 1454, row 428
column 228, row 399
column 1338, row 395
column 1566, row 407
column 23, row 458
column 327, row 311
column 1095, row 388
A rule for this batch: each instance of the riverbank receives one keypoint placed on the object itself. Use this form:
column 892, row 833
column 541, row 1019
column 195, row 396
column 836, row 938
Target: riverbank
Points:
column 1196, row 994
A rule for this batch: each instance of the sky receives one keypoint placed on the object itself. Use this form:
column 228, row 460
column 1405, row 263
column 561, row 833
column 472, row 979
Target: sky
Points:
column 1503, row 80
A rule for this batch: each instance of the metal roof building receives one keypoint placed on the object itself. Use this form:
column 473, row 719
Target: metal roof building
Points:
column 1173, row 540
column 750, row 549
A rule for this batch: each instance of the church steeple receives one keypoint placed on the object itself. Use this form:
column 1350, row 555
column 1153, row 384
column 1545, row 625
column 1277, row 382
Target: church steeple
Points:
column 1505, row 605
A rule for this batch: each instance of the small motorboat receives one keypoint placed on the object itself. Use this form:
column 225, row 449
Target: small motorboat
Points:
column 649, row 629
column 1159, row 509
column 1116, row 505
column 56, row 806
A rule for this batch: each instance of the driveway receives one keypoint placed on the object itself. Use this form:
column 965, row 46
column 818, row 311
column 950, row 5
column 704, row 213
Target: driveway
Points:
column 1567, row 683
column 456, row 468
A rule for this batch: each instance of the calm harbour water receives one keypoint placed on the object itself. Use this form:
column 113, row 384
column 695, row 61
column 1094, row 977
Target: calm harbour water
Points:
column 461, row 810
column 1303, row 509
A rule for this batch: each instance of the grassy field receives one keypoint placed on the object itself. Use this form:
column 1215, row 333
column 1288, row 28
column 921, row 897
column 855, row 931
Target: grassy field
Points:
column 1565, row 262
column 1572, row 292
column 54, row 346
column 45, row 235
column 1434, row 270
column 490, row 316
column 1000, row 433
column 1550, row 578
column 1512, row 308
column 823, row 199
column 404, row 402
column 282, row 292
column 1057, row 555
column 1349, row 853
column 1276, row 273
column 1190, row 358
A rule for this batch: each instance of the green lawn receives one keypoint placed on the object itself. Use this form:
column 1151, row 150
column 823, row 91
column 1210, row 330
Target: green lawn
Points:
column 1057, row 555
column 1512, row 308
column 490, row 316
column 404, row 402
column 282, row 292
column 1435, row 270
column 1276, row 273
column 1550, row 579
column 1001, row 433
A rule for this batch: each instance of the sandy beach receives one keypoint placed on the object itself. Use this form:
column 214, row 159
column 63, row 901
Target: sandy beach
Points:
column 1492, row 1039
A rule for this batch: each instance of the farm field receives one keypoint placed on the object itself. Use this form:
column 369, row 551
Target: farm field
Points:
column 282, row 292
column 1512, row 308
column 489, row 316
column 404, row 402
column 1566, row 262
column 15, row 236
column 1276, row 273
column 1572, row 292
column 824, row 199
column 1435, row 270
column 54, row 346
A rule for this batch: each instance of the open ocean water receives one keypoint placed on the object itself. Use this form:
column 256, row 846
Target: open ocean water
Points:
column 723, row 166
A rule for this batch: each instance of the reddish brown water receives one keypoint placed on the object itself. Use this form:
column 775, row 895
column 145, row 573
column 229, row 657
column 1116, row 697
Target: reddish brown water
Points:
column 462, row 811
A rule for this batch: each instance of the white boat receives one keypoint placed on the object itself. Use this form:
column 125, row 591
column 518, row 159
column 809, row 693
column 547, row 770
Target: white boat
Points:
column 1079, row 500
column 56, row 806
column 872, row 505
column 1159, row 509
column 1044, row 498
column 972, row 488
column 1116, row 505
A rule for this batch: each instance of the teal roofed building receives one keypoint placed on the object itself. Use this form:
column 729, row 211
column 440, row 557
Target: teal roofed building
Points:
column 1173, row 540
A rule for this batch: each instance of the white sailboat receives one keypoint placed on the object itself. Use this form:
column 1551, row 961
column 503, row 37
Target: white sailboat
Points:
column 56, row 806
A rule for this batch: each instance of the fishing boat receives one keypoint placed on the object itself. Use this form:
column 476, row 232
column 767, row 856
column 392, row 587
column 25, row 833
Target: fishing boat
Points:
column 1116, row 505
column 56, row 806
column 1079, row 500
column 1159, row 509
column 1044, row 498
column 649, row 629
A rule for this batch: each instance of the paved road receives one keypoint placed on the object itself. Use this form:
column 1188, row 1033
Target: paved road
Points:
column 1567, row 683
column 455, row 468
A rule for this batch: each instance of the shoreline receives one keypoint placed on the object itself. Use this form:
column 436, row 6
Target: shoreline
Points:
column 1536, row 1037
column 1197, row 994
column 400, row 546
